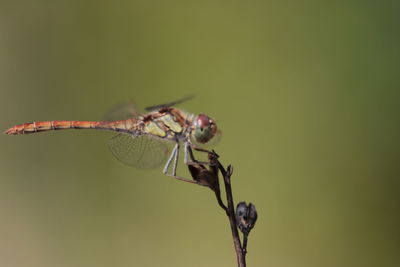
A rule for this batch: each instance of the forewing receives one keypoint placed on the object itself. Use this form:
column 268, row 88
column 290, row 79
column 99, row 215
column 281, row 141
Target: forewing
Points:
column 122, row 111
column 156, row 107
column 141, row 151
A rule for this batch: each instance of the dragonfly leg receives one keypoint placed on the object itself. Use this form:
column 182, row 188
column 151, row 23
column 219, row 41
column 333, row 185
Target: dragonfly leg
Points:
column 189, row 158
column 188, row 153
column 200, row 149
column 174, row 167
column 175, row 156
column 182, row 179
column 173, row 153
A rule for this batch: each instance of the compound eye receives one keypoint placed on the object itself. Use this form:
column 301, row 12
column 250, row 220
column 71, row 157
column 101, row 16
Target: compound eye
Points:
column 203, row 121
column 205, row 128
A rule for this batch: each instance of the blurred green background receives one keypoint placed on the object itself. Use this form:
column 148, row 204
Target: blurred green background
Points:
column 305, row 92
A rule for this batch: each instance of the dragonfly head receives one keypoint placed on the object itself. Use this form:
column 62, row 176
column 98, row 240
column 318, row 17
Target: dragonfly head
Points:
column 204, row 128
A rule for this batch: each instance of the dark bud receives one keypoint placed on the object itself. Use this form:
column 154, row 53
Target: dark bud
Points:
column 246, row 217
column 208, row 178
column 204, row 176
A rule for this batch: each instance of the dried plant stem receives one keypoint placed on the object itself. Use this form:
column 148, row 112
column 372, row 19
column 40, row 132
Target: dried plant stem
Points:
column 230, row 212
column 209, row 177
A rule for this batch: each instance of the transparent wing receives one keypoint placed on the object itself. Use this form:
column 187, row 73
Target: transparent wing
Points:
column 139, row 151
column 156, row 107
column 122, row 111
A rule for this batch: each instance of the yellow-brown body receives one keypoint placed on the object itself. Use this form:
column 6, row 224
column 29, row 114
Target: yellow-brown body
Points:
column 164, row 123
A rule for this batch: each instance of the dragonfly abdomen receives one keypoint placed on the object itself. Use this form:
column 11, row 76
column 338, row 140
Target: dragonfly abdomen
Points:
column 41, row 126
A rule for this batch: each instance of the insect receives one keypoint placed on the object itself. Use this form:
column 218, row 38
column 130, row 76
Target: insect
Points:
column 142, row 139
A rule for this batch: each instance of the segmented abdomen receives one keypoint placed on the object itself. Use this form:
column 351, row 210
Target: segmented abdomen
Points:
column 41, row 126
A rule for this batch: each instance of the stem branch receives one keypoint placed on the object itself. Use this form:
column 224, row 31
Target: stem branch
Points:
column 230, row 212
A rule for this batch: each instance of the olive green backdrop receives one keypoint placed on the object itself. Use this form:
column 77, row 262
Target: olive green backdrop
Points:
column 305, row 92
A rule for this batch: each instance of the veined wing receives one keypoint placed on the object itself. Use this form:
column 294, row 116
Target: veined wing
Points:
column 156, row 107
column 128, row 110
column 142, row 151
column 122, row 111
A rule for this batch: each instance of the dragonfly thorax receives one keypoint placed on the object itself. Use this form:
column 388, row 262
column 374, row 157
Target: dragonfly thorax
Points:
column 204, row 128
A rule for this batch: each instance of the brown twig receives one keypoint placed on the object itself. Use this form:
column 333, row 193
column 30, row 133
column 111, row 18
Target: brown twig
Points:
column 209, row 177
column 230, row 212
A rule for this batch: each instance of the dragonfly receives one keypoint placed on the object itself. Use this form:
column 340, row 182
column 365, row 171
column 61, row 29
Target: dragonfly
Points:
column 144, row 140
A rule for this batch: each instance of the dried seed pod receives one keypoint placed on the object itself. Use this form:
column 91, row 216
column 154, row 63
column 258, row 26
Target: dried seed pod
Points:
column 208, row 176
column 246, row 216
column 204, row 176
